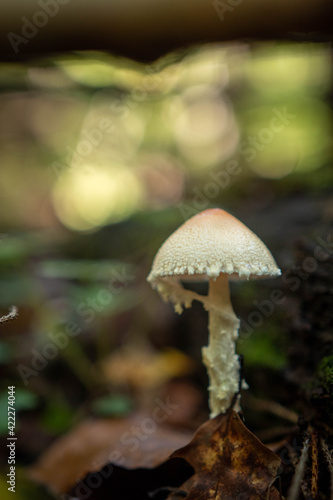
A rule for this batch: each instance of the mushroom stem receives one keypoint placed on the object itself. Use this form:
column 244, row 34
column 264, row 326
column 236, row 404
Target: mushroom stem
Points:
column 219, row 293
column 219, row 356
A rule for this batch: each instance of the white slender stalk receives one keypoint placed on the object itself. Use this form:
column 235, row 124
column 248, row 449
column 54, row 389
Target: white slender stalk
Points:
column 219, row 356
column 295, row 487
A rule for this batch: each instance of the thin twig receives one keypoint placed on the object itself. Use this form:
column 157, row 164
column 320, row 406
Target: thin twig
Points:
column 175, row 491
column 13, row 314
column 315, row 469
column 270, row 487
column 299, row 473
column 275, row 408
column 268, row 436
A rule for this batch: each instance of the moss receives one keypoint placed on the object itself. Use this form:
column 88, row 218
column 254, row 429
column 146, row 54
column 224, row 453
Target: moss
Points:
column 325, row 374
column 264, row 348
column 319, row 391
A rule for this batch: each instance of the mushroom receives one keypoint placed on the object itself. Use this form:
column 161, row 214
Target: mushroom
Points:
column 215, row 246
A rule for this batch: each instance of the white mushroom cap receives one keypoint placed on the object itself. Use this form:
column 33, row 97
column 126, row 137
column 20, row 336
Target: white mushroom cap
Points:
column 210, row 243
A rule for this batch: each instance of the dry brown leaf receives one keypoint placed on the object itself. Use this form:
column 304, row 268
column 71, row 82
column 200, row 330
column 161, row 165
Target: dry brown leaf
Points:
column 143, row 369
column 229, row 463
column 226, row 461
column 137, row 441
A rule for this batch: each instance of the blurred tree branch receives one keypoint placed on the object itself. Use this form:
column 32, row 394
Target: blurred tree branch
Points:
column 146, row 29
column 13, row 314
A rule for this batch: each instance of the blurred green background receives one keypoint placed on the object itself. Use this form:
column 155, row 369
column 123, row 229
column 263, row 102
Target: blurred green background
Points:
column 101, row 159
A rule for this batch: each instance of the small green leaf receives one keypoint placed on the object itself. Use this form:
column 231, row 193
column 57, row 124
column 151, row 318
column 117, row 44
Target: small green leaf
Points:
column 57, row 417
column 114, row 406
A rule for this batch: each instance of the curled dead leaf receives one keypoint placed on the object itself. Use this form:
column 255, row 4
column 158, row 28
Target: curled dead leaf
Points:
column 224, row 461
column 229, row 462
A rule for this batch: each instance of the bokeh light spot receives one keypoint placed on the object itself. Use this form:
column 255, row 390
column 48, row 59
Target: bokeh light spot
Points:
column 84, row 199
